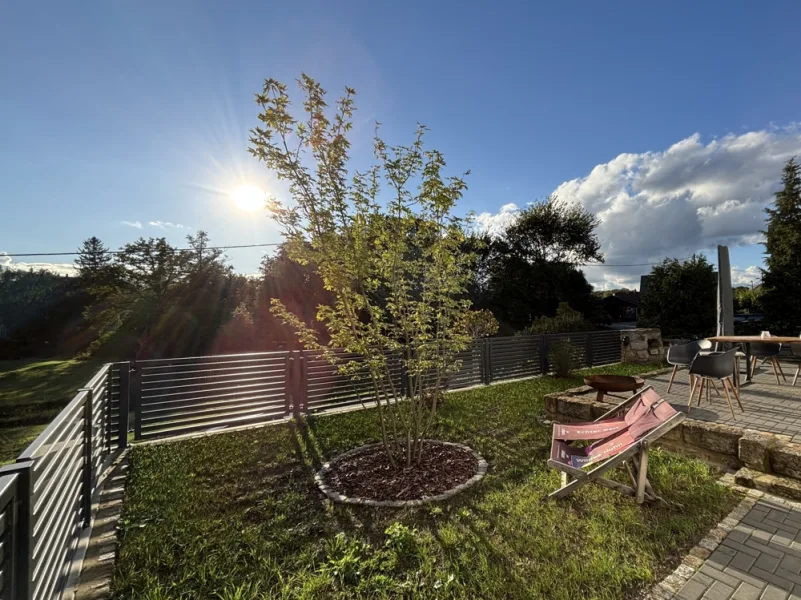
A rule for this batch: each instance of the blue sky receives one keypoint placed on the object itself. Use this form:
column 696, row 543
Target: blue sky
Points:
column 138, row 112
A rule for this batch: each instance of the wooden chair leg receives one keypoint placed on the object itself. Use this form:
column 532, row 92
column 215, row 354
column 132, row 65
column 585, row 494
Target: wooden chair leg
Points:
column 693, row 383
column 796, row 374
column 779, row 366
column 775, row 372
column 728, row 398
column 701, row 390
column 715, row 385
column 672, row 375
column 737, row 396
column 642, row 471
column 753, row 365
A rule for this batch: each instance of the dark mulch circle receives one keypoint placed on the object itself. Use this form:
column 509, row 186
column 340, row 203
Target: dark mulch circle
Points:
column 368, row 473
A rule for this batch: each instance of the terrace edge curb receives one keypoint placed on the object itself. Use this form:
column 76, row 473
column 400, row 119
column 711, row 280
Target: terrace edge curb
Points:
column 333, row 495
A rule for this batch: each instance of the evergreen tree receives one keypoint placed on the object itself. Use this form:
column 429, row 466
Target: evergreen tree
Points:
column 93, row 262
column 782, row 279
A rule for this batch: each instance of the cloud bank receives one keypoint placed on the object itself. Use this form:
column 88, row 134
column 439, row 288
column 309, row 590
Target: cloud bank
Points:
column 690, row 197
column 7, row 262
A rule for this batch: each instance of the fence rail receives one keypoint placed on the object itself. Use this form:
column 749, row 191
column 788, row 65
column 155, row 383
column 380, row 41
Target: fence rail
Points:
column 45, row 497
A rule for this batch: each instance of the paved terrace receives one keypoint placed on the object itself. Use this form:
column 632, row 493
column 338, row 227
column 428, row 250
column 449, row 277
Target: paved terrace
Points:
column 768, row 406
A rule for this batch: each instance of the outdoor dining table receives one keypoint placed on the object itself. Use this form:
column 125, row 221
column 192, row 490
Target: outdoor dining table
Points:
column 747, row 340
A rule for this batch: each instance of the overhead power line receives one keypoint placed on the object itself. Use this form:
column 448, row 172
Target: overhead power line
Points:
column 36, row 254
column 28, row 254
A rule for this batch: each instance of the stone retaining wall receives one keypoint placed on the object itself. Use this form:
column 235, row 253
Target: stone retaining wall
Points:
column 723, row 445
column 642, row 346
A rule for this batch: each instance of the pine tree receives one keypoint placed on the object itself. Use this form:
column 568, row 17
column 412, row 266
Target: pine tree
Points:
column 782, row 279
column 93, row 261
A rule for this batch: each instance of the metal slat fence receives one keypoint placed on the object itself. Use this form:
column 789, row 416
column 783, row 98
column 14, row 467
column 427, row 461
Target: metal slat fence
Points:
column 45, row 497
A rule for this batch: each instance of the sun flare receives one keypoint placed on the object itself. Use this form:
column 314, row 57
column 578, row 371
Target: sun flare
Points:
column 249, row 198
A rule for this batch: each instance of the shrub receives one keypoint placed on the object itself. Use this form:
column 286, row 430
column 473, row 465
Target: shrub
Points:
column 566, row 320
column 562, row 357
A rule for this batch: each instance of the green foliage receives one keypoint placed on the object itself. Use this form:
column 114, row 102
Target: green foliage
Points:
column 782, row 280
column 748, row 300
column 38, row 313
column 385, row 244
column 681, row 298
column 562, row 357
column 565, row 320
column 530, row 268
column 481, row 323
column 240, row 513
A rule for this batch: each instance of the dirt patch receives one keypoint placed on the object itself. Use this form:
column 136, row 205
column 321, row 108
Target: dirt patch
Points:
column 368, row 473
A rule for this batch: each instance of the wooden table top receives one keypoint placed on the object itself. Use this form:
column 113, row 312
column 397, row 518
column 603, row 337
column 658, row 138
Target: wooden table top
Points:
column 778, row 339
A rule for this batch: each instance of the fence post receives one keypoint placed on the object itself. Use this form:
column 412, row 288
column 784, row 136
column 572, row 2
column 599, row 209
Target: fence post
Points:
column 289, row 387
column 543, row 354
column 589, row 350
column 486, row 354
column 17, row 584
column 301, row 384
column 125, row 404
column 87, row 455
column 136, row 399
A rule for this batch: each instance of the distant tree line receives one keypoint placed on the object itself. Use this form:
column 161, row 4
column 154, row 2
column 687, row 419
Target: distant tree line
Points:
column 150, row 299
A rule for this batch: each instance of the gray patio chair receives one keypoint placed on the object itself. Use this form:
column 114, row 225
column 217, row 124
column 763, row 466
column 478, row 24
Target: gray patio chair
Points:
column 767, row 351
column 682, row 355
column 710, row 367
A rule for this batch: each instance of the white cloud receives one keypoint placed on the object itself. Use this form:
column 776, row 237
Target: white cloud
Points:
column 7, row 262
column 495, row 223
column 671, row 203
column 745, row 276
column 135, row 224
column 167, row 225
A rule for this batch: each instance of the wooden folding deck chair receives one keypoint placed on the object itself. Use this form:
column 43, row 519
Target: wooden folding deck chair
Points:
column 622, row 438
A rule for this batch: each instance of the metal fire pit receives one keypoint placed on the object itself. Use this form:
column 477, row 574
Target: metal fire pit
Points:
column 604, row 384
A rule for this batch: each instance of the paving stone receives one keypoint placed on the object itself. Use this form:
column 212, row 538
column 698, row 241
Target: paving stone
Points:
column 791, row 563
column 719, row 591
column 774, row 593
column 692, row 590
column 746, row 591
column 767, row 562
column 742, row 561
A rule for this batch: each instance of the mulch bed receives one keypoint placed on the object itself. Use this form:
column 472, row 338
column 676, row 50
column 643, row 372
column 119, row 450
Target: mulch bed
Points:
column 369, row 474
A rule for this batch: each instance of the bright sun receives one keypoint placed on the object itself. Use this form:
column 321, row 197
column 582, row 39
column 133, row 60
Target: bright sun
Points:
column 249, row 198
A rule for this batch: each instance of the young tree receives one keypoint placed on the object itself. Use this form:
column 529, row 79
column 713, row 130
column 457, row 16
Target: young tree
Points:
column 400, row 245
column 681, row 298
column 781, row 298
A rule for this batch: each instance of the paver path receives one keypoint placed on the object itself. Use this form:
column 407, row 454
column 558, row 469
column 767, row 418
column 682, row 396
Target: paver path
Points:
column 760, row 559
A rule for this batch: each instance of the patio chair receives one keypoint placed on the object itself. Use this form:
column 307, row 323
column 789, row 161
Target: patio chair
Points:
column 720, row 366
column 682, row 355
column 795, row 349
column 622, row 438
column 767, row 351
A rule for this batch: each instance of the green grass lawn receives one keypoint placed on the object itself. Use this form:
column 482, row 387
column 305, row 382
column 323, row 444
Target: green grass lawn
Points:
column 31, row 394
column 237, row 516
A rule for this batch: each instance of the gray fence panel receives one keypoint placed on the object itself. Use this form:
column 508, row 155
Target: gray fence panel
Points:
column 514, row 357
column 606, row 347
column 178, row 396
column 325, row 388
column 8, row 537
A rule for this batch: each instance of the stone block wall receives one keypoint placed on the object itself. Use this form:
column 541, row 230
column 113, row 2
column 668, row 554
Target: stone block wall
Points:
column 642, row 346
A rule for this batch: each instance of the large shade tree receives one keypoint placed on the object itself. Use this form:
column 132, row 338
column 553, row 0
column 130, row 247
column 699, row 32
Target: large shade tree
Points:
column 533, row 266
column 781, row 297
column 386, row 245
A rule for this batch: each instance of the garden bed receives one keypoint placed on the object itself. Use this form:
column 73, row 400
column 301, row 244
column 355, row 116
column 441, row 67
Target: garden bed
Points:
column 238, row 515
